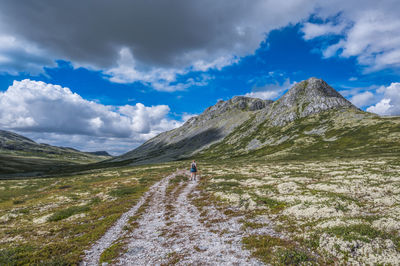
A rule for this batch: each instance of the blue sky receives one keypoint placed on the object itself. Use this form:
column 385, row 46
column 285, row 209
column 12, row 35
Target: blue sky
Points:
column 77, row 91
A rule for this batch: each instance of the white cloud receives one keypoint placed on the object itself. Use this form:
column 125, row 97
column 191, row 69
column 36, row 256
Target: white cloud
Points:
column 312, row 30
column 187, row 116
column 34, row 106
column 332, row 49
column 390, row 104
column 160, row 79
column 371, row 34
column 381, row 108
column 363, row 99
column 265, row 95
column 218, row 63
column 270, row 91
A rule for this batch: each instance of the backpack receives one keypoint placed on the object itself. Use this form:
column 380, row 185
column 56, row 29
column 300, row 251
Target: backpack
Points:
column 194, row 166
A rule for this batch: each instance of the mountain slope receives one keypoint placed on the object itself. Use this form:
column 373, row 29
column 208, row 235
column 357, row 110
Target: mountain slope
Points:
column 311, row 116
column 21, row 154
column 329, row 134
column 12, row 143
column 215, row 123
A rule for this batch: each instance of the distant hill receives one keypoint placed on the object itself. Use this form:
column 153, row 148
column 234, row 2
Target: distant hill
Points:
column 311, row 119
column 21, row 154
column 100, row 153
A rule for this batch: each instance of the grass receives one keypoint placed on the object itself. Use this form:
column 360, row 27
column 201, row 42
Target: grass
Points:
column 15, row 255
column 65, row 213
column 274, row 205
column 292, row 256
column 276, row 251
column 363, row 232
column 126, row 191
column 43, row 229
column 112, row 252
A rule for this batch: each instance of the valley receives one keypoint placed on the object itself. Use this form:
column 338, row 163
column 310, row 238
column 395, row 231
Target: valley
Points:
column 306, row 180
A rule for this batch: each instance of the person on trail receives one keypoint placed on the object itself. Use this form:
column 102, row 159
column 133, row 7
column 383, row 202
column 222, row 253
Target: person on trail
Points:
column 193, row 170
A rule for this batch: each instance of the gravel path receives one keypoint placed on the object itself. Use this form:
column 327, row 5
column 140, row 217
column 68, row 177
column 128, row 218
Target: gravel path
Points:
column 172, row 231
column 92, row 256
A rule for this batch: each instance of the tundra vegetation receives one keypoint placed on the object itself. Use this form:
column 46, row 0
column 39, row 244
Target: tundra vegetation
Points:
column 341, row 210
column 334, row 211
column 53, row 220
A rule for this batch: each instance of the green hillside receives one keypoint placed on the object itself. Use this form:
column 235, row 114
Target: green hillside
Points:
column 19, row 154
column 335, row 133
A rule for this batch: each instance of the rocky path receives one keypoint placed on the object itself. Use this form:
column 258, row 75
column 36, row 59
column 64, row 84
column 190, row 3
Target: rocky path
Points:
column 172, row 231
column 92, row 256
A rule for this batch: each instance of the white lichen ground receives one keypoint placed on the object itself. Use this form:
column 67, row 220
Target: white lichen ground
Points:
column 349, row 208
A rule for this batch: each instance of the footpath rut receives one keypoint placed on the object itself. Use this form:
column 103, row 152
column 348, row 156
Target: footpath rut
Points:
column 172, row 231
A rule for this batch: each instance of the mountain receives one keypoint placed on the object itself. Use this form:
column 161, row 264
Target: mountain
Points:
column 99, row 153
column 12, row 143
column 199, row 132
column 311, row 116
column 306, row 98
column 21, row 154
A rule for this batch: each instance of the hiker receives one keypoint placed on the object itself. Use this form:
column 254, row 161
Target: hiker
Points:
column 193, row 170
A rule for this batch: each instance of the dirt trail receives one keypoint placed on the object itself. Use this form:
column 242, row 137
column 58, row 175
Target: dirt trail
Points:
column 92, row 256
column 171, row 230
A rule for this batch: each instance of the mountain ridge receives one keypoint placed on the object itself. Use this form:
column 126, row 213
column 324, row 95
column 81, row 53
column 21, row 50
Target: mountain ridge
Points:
column 11, row 141
column 19, row 154
column 218, row 123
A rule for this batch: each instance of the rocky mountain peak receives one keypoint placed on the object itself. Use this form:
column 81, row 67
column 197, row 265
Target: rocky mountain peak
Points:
column 305, row 98
column 252, row 104
column 240, row 103
column 310, row 89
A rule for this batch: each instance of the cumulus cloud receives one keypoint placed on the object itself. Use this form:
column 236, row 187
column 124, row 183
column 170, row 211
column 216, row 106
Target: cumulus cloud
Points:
column 160, row 79
column 34, row 106
column 390, row 103
column 369, row 31
column 150, row 41
column 270, row 91
column 363, row 99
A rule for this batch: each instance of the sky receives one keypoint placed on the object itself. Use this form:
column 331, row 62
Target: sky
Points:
column 109, row 75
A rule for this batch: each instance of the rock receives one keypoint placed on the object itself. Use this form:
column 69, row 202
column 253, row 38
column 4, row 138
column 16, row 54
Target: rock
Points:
column 135, row 250
column 202, row 248
column 254, row 144
column 306, row 98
